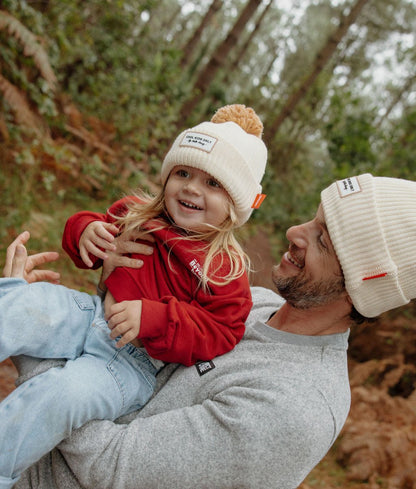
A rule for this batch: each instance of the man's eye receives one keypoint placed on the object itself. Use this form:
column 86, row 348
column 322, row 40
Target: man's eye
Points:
column 321, row 241
column 182, row 173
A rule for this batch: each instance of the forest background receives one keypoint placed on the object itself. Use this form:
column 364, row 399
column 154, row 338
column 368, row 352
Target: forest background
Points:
column 93, row 92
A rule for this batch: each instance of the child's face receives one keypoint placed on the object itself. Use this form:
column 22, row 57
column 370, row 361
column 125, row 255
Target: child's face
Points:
column 193, row 199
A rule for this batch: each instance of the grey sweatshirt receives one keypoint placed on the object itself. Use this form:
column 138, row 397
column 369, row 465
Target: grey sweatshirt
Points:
column 260, row 417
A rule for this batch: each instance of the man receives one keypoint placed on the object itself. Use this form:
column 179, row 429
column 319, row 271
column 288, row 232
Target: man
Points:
column 263, row 415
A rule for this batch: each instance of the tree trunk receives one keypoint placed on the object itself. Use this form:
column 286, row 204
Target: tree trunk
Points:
column 218, row 59
column 231, row 70
column 245, row 46
column 407, row 86
column 193, row 41
column 169, row 23
column 321, row 60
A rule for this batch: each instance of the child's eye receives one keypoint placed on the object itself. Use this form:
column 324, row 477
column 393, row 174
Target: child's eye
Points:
column 214, row 183
column 182, row 173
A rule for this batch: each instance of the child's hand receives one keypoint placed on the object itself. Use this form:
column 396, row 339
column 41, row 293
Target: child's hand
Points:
column 124, row 320
column 96, row 239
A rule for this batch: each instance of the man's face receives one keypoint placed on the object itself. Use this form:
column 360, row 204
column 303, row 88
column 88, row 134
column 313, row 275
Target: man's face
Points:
column 309, row 274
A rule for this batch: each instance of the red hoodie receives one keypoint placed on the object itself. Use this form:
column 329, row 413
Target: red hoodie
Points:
column 180, row 322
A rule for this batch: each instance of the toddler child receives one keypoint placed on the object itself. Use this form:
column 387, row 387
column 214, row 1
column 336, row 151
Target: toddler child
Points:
column 188, row 302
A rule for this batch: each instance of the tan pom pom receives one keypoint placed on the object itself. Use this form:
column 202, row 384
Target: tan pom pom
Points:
column 244, row 116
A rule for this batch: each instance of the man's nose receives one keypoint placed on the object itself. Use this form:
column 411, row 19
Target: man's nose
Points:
column 298, row 235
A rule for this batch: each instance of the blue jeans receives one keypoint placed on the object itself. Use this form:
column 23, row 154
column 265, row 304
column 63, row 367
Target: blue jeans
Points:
column 99, row 381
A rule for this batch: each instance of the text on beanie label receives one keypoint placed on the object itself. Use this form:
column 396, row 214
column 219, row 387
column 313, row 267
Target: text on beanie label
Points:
column 348, row 186
column 199, row 141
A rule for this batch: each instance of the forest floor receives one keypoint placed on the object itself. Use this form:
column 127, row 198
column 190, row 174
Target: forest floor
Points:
column 377, row 447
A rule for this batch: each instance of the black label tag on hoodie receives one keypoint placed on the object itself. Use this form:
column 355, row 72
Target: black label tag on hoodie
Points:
column 204, row 367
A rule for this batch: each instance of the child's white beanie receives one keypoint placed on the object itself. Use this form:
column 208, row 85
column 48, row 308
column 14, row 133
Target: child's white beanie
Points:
column 372, row 225
column 230, row 149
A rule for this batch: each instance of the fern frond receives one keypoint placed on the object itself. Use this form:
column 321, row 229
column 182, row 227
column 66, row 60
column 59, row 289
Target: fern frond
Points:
column 31, row 46
column 17, row 101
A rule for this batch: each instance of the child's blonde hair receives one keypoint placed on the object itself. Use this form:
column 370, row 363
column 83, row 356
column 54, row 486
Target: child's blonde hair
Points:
column 219, row 241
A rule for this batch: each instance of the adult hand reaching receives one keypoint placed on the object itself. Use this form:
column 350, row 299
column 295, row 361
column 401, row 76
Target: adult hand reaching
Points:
column 19, row 264
column 121, row 256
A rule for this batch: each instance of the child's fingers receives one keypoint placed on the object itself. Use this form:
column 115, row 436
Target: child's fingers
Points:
column 90, row 248
column 123, row 330
column 120, row 321
column 107, row 231
column 106, row 244
column 117, row 322
column 125, row 338
column 118, row 326
column 116, row 308
column 85, row 257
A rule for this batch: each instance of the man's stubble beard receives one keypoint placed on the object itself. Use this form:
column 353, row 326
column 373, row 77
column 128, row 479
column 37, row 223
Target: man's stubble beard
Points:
column 300, row 292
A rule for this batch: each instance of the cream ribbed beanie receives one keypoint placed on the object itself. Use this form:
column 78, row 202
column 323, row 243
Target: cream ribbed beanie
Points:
column 372, row 225
column 230, row 149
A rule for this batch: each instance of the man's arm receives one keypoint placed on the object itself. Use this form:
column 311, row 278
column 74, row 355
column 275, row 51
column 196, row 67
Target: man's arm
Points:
column 245, row 438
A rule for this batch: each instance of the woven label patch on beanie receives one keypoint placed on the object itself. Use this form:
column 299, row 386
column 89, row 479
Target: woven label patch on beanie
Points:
column 199, row 140
column 348, row 186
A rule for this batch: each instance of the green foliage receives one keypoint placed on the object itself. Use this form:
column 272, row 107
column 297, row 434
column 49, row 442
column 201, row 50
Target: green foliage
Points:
column 400, row 149
column 350, row 142
column 110, row 69
column 121, row 88
column 25, row 69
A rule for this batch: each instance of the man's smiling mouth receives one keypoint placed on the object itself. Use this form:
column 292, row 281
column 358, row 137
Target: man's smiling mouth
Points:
column 293, row 261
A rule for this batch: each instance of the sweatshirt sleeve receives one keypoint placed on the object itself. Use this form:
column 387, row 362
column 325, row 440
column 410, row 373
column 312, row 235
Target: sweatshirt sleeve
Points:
column 210, row 325
column 244, row 437
column 76, row 224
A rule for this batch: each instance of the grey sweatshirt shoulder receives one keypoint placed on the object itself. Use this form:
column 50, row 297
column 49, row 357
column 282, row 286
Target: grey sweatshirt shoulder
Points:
column 260, row 416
